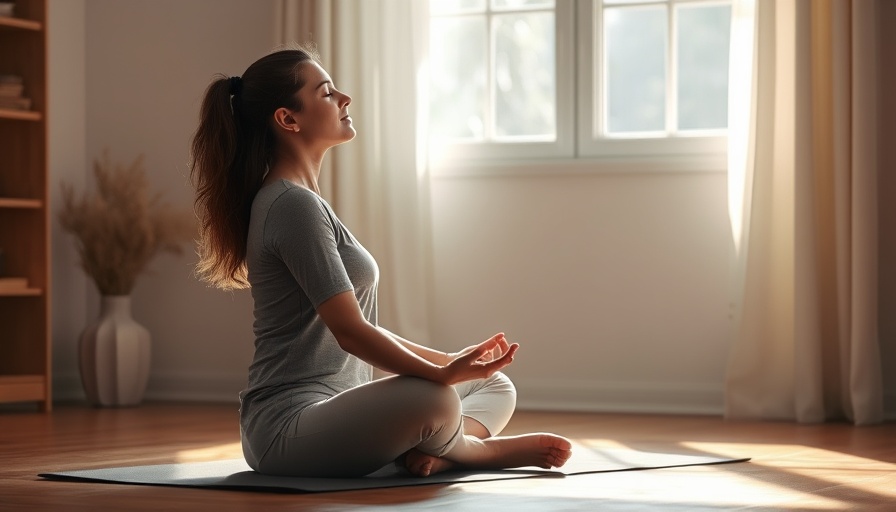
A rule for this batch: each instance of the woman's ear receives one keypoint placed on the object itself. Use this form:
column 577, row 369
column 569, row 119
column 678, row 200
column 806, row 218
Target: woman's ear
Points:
column 285, row 120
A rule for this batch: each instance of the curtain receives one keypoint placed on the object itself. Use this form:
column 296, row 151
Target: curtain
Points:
column 803, row 208
column 378, row 183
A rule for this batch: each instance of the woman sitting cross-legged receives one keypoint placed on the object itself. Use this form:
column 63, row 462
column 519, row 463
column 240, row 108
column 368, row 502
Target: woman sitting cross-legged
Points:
column 311, row 407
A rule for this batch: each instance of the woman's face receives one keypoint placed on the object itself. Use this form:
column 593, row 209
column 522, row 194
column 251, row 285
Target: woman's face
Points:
column 324, row 116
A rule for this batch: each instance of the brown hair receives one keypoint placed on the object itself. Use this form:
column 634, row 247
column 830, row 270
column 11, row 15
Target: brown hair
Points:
column 231, row 153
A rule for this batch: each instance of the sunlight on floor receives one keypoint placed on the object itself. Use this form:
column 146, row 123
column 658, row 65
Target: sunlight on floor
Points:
column 214, row 452
column 814, row 467
column 782, row 476
column 792, row 482
column 685, row 487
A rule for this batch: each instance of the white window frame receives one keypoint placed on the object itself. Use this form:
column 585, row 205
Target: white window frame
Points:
column 592, row 142
column 564, row 144
column 579, row 144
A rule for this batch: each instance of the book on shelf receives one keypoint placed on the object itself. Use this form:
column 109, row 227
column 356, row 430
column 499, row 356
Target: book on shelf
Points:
column 11, row 88
column 15, row 103
column 13, row 283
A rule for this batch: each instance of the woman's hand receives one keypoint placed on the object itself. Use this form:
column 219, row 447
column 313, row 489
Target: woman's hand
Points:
column 495, row 353
column 479, row 361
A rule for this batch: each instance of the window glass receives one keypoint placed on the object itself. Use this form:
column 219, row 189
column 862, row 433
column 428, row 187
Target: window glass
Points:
column 703, row 38
column 458, row 94
column 524, row 75
column 522, row 4
column 437, row 7
column 519, row 79
column 635, row 68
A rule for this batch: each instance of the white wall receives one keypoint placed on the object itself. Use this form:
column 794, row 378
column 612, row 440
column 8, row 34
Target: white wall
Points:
column 614, row 284
column 67, row 162
column 147, row 65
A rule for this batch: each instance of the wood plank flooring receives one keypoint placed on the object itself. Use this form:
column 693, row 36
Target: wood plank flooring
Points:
column 794, row 467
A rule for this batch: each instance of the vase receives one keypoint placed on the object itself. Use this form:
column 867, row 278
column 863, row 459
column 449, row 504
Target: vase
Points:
column 113, row 355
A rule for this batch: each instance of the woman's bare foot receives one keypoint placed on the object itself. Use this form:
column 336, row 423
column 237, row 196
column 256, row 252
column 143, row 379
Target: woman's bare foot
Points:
column 541, row 450
column 422, row 464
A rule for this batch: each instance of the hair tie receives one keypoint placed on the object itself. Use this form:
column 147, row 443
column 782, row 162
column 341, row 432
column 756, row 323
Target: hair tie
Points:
column 236, row 85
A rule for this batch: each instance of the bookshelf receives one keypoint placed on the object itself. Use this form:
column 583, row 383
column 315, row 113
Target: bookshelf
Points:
column 24, row 208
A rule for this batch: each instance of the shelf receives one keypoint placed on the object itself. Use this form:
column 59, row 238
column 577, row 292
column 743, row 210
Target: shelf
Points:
column 7, row 202
column 22, row 388
column 25, row 298
column 7, row 22
column 24, row 292
column 21, row 115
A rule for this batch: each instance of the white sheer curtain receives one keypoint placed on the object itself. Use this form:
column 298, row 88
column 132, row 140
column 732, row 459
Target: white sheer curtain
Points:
column 375, row 51
column 803, row 206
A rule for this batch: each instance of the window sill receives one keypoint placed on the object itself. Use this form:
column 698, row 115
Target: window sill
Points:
column 708, row 163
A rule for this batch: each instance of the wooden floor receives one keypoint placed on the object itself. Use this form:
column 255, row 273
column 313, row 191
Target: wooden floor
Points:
column 794, row 467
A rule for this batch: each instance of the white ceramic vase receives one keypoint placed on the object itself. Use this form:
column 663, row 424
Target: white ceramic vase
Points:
column 114, row 354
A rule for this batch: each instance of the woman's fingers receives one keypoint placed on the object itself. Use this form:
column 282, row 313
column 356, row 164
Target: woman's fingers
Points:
column 507, row 357
column 482, row 360
column 474, row 355
column 496, row 347
column 499, row 346
column 493, row 366
column 486, row 349
column 502, row 347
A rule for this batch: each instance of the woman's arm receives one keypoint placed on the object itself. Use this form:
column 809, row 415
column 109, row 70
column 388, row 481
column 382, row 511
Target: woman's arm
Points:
column 441, row 358
column 362, row 339
column 436, row 357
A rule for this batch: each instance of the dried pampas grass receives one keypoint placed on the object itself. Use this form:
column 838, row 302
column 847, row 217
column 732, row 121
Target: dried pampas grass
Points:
column 122, row 227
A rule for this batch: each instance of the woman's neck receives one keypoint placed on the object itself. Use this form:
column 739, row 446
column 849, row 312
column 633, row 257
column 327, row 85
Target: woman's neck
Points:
column 297, row 168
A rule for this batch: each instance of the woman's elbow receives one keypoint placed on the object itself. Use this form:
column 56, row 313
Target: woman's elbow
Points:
column 350, row 338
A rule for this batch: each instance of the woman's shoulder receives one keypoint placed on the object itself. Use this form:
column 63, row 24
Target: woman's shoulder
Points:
column 286, row 193
column 284, row 198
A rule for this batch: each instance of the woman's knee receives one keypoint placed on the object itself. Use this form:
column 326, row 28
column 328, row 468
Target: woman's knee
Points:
column 501, row 383
column 490, row 401
column 434, row 400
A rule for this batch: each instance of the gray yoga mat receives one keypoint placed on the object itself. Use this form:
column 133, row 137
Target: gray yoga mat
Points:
column 235, row 474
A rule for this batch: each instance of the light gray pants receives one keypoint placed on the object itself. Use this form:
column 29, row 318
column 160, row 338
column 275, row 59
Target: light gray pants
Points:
column 365, row 428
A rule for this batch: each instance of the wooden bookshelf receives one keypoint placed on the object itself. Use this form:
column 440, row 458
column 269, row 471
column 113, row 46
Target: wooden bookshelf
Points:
column 25, row 340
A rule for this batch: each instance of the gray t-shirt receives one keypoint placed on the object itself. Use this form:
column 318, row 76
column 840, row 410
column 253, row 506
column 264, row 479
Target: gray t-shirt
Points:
column 299, row 255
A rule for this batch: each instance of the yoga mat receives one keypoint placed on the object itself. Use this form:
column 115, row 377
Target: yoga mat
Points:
column 235, row 474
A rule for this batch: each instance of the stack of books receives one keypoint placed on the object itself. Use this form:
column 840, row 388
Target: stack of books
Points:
column 11, row 98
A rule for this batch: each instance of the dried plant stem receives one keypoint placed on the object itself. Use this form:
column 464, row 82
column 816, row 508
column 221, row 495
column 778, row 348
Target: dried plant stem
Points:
column 122, row 227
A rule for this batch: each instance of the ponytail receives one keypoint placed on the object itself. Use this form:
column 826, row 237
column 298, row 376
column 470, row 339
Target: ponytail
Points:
column 231, row 153
column 222, row 244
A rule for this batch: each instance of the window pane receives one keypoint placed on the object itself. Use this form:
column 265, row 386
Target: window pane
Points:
column 525, row 75
column 703, row 38
column 635, row 58
column 458, row 74
column 617, row 2
column 522, row 4
column 455, row 6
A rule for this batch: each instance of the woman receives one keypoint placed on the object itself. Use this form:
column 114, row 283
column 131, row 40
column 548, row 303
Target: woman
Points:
column 311, row 407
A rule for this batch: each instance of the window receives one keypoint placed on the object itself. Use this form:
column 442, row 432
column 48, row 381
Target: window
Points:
column 515, row 79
